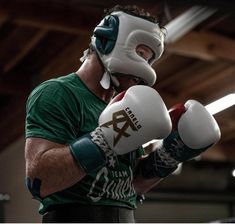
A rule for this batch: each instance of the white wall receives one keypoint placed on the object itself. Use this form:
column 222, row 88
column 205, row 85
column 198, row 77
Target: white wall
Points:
column 20, row 208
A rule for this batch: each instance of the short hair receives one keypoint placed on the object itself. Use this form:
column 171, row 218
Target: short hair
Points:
column 132, row 10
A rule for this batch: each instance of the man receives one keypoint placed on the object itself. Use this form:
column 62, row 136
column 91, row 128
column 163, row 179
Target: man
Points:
column 83, row 153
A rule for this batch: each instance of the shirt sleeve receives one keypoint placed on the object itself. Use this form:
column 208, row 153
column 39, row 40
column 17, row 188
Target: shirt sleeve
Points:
column 52, row 113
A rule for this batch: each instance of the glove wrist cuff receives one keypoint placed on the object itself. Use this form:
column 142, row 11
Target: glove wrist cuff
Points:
column 87, row 154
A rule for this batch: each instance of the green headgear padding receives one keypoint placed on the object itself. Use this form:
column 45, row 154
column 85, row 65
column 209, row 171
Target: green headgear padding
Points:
column 106, row 34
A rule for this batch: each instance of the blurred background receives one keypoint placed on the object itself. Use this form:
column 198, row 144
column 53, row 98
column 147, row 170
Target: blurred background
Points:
column 44, row 39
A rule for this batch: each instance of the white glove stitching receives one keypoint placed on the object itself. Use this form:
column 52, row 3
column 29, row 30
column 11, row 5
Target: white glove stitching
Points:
column 97, row 137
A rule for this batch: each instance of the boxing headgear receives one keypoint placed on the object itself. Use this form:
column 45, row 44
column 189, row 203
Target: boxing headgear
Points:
column 115, row 40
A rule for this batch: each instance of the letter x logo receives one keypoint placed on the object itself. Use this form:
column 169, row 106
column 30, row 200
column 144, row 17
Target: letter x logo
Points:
column 117, row 118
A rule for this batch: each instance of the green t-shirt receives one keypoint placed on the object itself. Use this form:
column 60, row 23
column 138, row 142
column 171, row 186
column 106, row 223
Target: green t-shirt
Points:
column 63, row 109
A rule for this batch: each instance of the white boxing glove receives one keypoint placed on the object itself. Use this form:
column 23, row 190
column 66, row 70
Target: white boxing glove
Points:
column 138, row 117
column 131, row 119
column 194, row 131
column 197, row 127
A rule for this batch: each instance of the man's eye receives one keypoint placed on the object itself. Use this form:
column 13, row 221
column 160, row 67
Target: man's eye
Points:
column 141, row 54
column 137, row 80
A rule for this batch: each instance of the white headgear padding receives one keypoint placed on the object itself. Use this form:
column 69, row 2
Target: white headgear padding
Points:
column 115, row 40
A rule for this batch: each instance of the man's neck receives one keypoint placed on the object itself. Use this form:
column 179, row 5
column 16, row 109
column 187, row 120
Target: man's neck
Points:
column 91, row 72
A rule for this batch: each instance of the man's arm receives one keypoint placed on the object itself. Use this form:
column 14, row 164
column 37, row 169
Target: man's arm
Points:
column 52, row 167
column 194, row 131
column 52, row 164
column 143, row 185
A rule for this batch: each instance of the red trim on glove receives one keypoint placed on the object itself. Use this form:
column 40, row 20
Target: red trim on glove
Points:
column 118, row 97
column 175, row 114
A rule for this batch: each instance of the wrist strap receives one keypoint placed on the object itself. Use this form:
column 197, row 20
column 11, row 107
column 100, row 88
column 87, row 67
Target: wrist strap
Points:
column 87, row 154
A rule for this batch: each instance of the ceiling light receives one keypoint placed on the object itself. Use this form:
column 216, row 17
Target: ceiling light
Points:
column 178, row 170
column 185, row 22
column 213, row 108
column 233, row 173
column 221, row 104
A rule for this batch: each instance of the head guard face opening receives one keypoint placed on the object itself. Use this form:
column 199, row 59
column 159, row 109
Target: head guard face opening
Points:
column 116, row 38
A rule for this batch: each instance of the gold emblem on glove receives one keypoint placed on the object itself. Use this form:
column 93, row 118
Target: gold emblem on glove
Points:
column 127, row 118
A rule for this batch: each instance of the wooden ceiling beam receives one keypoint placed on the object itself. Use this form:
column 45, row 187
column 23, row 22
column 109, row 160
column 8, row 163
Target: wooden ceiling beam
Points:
column 3, row 19
column 50, row 26
column 190, row 75
column 174, row 78
column 26, row 49
column 12, row 124
column 34, row 21
column 219, row 153
column 67, row 61
column 228, row 129
column 223, row 76
column 204, row 45
column 9, row 88
column 49, row 16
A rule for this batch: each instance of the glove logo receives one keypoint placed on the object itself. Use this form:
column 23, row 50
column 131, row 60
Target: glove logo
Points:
column 127, row 118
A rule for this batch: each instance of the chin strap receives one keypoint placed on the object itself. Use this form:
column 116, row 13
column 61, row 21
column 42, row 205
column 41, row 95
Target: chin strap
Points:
column 108, row 79
column 84, row 56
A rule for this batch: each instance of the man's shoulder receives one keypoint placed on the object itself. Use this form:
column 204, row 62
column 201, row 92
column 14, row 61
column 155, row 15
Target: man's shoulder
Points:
column 58, row 81
column 54, row 85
